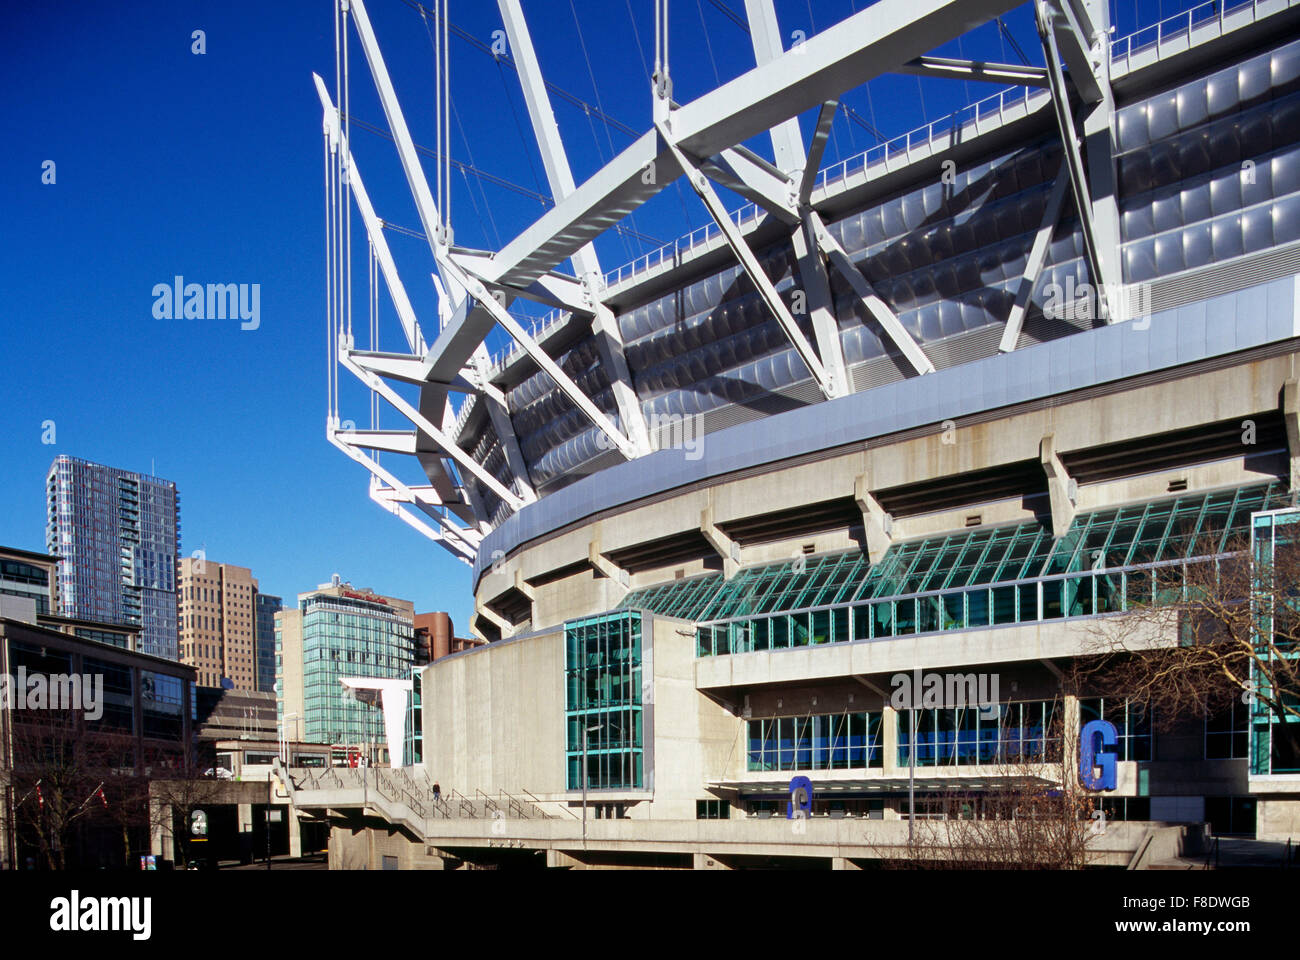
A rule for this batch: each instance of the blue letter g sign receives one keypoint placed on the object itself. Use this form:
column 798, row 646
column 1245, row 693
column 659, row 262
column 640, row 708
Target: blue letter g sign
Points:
column 1091, row 757
column 800, row 798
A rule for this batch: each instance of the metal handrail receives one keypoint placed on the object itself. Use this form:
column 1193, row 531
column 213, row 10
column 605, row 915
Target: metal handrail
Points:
column 537, row 803
column 1182, row 24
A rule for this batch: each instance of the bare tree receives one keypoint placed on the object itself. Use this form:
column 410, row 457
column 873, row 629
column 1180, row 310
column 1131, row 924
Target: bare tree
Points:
column 175, row 792
column 64, row 782
column 1199, row 634
column 1034, row 817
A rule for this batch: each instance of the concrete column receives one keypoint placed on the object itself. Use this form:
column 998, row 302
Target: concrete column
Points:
column 1291, row 417
column 558, row 858
column 889, row 738
column 1060, row 488
column 244, row 828
column 727, row 548
column 295, row 831
column 160, row 834
column 1070, row 741
column 879, row 524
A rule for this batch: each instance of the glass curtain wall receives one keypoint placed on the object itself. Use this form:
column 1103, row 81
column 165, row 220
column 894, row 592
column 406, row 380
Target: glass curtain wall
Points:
column 602, row 660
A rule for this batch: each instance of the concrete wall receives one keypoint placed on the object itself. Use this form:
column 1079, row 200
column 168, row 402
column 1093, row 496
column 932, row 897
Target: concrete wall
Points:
column 494, row 718
column 695, row 738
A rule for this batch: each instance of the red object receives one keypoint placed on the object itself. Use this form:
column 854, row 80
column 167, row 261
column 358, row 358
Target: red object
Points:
column 40, row 800
column 102, row 799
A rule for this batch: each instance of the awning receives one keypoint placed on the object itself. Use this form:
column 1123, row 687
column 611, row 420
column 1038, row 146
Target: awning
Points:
column 883, row 786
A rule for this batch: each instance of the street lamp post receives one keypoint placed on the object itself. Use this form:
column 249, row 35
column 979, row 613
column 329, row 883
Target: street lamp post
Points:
column 284, row 743
column 911, row 774
column 585, row 731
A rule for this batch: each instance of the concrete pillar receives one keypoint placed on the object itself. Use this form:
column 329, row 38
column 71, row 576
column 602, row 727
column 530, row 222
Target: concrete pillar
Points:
column 879, row 525
column 244, row 829
column 160, row 833
column 1060, row 487
column 295, row 831
column 1070, row 741
column 889, row 740
column 1291, row 417
column 558, row 858
column 727, row 548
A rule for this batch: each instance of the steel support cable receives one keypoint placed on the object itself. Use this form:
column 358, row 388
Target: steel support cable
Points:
column 340, row 248
column 731, row 15
column 1011, row 39
column 346, row 164
column 329, row 283
column 477, row 44
column 496, row 233
column 708, row 44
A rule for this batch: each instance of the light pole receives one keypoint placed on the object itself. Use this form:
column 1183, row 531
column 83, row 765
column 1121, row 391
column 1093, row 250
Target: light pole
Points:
column 585, row 731
column 911, row 773
column 284, row 743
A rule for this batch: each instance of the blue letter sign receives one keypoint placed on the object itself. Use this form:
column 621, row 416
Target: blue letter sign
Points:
column 801, row 793
column 1090, row 757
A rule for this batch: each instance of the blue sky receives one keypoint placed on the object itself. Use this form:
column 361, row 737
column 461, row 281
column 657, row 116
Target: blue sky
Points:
column 209, row 166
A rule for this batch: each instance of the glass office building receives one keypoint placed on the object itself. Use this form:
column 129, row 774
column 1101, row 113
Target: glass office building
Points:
column 349, row 636
column 117, row 534
column 264, row 611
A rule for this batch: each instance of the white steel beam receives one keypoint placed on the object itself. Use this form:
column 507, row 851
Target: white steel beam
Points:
column 609, row 341
column 499, row 414
column 867, row 44
column 765, row 32
column 875, row 306
column 544, row 360
column 461, row 541
column 392, row 441
column 1101, row 248
column 407, row 369
column 864, row 45
column 373, row 225
column 445, row 443
column 746, row 175
column 1034, row 262
column 433, row 394
column 415, row 178
column 813, row 162
column 817, row 294
column 700, row 184
column 1077, row 29
column 585, row 262
column 976, row 70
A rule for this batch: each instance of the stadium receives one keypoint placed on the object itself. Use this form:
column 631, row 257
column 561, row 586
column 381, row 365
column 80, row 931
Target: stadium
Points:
column 953, row 406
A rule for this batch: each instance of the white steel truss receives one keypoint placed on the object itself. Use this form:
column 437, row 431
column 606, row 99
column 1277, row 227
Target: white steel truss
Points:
column 701, row 140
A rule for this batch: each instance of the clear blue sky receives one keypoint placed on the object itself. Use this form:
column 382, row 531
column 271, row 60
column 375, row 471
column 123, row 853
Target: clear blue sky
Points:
column 210, row 167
